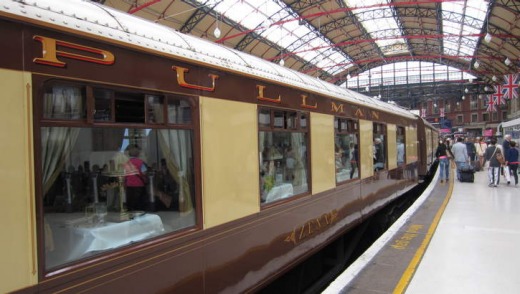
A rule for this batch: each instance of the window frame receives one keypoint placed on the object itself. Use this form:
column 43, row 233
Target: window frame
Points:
column 401, row 133
column 381, row 131
column 297, row 127
column 41, row 84
column 352, row 128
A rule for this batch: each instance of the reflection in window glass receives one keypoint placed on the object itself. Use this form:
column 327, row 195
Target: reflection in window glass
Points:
column 104, row 187
column 64, row 102
column 401, row 150
column 103, row 105
column 264, row 118
column 93, row 196
column 346, row 149
column 155, row 109
column 179, row 112
column 379, row 150
column 282, row 154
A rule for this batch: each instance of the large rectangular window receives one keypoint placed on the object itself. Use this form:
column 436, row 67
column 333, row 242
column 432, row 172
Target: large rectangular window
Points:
column 283, row 145
column 379, row 148
column 400, row 145
column 346, row 149
column 122, row 175
column 473, row 104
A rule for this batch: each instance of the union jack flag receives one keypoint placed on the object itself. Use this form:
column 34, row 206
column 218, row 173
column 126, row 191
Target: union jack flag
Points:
column 498, row 95
column 511, row 86
column 491, row 105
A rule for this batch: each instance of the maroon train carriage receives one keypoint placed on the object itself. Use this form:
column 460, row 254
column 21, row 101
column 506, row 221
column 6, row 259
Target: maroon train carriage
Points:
column 139, row 159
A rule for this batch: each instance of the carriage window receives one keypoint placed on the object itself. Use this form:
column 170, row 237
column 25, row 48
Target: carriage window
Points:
column 401, row 150
column 104, row 187
column 283, row 142
column 65, row 102
column 155, row 109
column 346, row 149
column 379, row 147
column 179, row 112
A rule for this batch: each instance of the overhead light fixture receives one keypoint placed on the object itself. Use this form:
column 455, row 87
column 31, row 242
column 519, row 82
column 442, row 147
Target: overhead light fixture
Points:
column 486, row 88
column 463, row 97
column 367, row 88
column 282, row 62
column 494, row 78
column 348, row 76
column 507, row 61
column 476, row 64
column 466, row 90
column 488, row 37
column 216, row 32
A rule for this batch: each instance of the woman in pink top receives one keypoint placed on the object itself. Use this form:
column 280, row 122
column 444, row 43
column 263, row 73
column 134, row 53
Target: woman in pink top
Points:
column 135, row 180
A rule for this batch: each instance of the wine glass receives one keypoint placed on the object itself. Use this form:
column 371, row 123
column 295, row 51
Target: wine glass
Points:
column 100, row 211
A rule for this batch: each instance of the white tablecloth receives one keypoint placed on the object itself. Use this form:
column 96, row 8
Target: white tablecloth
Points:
column 74, row 237
column 279, row 192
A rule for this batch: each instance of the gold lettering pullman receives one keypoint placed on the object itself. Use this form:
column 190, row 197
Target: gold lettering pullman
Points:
column 261, row 96
column 181, row 72
column 53, row 50
column 50, row 53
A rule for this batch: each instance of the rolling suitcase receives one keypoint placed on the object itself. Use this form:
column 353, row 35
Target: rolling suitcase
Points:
column 467, row 174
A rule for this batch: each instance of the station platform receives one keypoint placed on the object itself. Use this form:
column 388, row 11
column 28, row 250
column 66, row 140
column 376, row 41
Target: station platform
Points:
column 456, row 238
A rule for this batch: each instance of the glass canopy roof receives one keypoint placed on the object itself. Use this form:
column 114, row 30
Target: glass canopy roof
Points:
column 273, row 20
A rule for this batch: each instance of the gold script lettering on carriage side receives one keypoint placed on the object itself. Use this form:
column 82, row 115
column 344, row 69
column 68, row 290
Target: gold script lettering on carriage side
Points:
column 50, row 53
column 312, row 227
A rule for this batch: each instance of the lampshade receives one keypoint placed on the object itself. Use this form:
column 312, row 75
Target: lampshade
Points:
column 216, row 32
column 488, row 37
column 476, row 64
column 507, row 61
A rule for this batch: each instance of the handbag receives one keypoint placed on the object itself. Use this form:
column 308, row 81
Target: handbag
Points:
column 500, row 158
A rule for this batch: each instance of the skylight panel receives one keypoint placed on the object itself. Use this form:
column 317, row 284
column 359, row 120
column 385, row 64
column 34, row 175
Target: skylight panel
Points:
column 373, row 26
column 472, row 15
column 264, row 15
column 406, row 73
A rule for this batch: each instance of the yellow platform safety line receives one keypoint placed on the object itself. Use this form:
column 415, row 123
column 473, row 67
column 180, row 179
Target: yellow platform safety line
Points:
column 414, row 263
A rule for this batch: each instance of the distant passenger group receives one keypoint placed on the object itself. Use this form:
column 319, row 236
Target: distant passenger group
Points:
column 479, row 155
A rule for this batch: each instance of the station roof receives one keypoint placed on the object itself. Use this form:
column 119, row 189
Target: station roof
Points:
column 339, row 39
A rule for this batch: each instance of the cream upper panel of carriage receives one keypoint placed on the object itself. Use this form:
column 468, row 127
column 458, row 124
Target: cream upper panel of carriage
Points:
column 93, row 18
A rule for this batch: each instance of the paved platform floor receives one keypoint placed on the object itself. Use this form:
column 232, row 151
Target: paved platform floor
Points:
column 456, row 238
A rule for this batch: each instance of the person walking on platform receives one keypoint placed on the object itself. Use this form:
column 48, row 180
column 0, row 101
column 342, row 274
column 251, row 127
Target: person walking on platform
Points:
column 506, row 145
column 460, row 155
column 472, row 151
column 512, row 158
column 494, row 165
column 480, row 146
column 441, row 154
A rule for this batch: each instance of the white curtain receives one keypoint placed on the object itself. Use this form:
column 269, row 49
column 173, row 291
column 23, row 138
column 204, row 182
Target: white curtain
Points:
column 299, row 148
column 57, row 142
column 176, row 148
